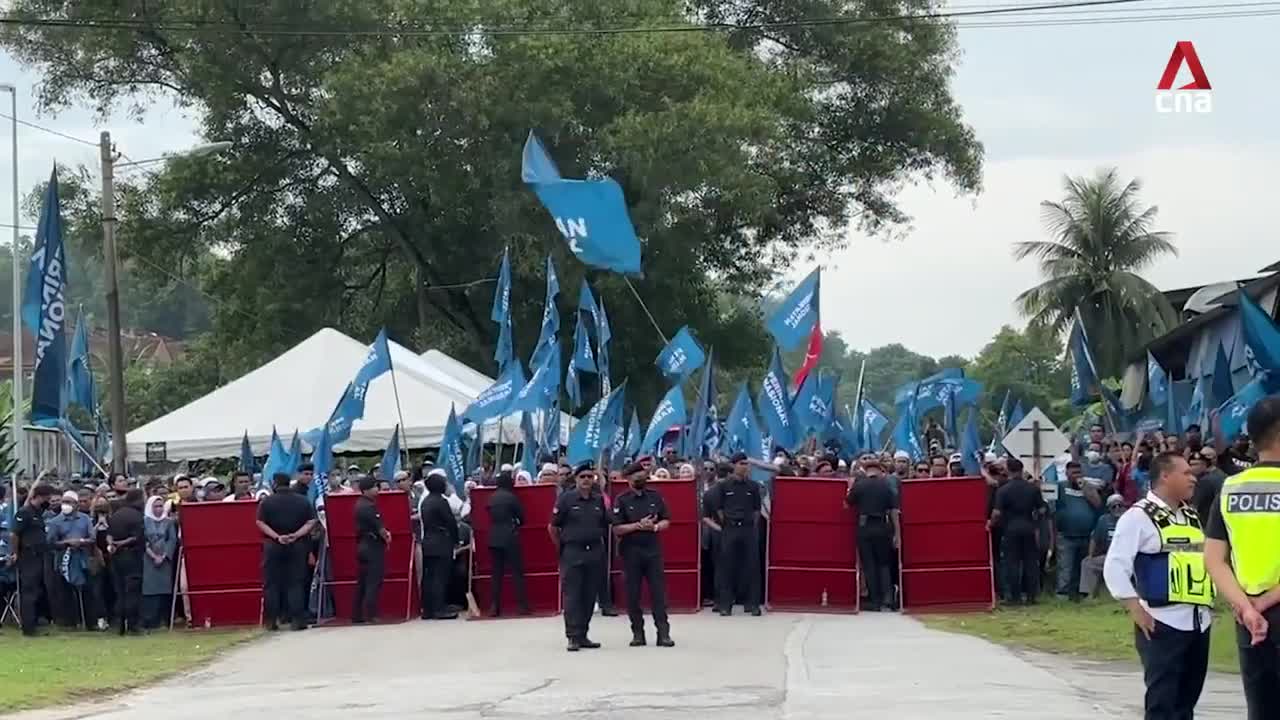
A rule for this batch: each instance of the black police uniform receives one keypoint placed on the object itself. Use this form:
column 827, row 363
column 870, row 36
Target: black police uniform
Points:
column 1019, row 503
column 439, row 537
column 371, row 552
column 642, row 558
column 284, row 566
column 506, row 516
column 126, row 566
column 582, row 522
column 735, row 504
column 874, row 500
column 33, row 556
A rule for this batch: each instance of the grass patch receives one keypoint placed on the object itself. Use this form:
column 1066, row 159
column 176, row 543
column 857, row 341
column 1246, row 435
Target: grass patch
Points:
column 1094, row 629
column 64, row 667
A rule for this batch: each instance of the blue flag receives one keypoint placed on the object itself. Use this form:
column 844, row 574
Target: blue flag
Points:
column 793, row 321
column 322, row 459
column 452, row 458
column 1196, row 408
column 44, row 311
column 814, row 403
column 80, row 387
column 1173, row 414
column 775, row 405
column 905, row 437
column 695, row 437
column 681, row 357
column 603, row 334
column 590, row 214
column 572, row 385
column 551, row 429
column 1222, row 389
column 594, row 432
column 350, row 407
column 1234, row 413
column 971, row 445
column 634, row 436
column 1261, row 339
column 529, row 439
column 1157, row 382
column 583, row 358
column 1017, row 416
column 736, row 427
column 295, row 455
column 617, row 454
column 247, row 463
column 871, row 424
column 542, row 388
column 472, row 449
column 1002, row 424
column 547, row 337
column 504, row 352
column 1084, row 376
column 669, row 413
column 495, row 401
column 277, row 461
column 391, row 456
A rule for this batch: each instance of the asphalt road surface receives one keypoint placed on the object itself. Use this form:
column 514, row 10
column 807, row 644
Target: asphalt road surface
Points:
column 780, row 666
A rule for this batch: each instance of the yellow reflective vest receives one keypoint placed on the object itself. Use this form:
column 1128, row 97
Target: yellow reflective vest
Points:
column 1250, row 507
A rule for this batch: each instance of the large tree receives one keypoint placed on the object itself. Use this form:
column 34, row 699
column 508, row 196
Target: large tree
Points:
column 376, row 166
column 1102, row 237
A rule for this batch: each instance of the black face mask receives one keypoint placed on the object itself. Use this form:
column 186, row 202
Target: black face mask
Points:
column 639, row 483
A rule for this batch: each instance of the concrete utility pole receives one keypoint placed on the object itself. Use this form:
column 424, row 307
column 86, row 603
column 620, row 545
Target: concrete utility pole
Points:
column 115, row 348
column 17, row 420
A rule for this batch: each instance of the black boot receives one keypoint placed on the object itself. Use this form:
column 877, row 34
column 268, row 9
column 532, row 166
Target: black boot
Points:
column 586, row 644
column 638, row 640
column 664, row 640
column 574, row 645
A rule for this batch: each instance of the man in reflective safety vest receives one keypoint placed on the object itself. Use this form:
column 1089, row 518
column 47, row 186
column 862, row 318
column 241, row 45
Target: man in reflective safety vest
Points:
column 1155, row 567
column 1243, row 555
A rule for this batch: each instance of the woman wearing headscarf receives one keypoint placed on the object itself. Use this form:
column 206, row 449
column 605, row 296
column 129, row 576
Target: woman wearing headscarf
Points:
column 161, row 537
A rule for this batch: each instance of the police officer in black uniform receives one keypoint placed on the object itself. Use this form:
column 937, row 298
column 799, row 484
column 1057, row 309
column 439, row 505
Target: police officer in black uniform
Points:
column 878, row 534
column 639, row 514
column 126, row 541
column 31, row 548
column 733, row 509
column 285, row 519
column 372, row 539
column 506, row 516
column 578, row 526
column 439, row 538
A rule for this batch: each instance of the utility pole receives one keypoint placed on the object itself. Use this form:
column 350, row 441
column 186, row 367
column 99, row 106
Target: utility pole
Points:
column 17, row 420
column 115, row 350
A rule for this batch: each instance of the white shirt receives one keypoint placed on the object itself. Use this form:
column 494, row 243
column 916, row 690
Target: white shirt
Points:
column 1136, row 533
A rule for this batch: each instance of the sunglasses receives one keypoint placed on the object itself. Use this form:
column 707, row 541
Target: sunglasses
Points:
column 922, row 468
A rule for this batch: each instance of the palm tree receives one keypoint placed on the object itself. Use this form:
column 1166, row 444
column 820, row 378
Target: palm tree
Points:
column 1102, row 238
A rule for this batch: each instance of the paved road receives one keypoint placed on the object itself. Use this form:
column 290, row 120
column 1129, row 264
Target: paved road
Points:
column 781, row 666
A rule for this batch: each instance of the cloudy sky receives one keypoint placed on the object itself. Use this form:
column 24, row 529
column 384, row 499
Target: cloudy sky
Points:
column 1045, row 101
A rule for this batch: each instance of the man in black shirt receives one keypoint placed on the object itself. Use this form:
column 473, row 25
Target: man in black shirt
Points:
column 578, row 525
column 506, row 516
column 285, row 518
column 126, row 542
column 639, row 514
column 1017, row 511
column 372, row 539
column 733, row 509
column 878, row 531
column 439, row 537
column 31, row 552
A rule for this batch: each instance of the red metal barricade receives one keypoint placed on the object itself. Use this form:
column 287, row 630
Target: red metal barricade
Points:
column 813, row 549
column 398, row 590
column 541, row 561
column 681, row 547
column 946, row 547
column 222, row 552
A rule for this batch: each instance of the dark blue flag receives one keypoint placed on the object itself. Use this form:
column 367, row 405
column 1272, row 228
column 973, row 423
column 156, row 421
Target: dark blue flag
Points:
column 495, row 400
column 322, row 459
column 696, row 441
column 681, row 356
column 669, row 413
column 590, row 214
column 871, row 424
column 295, row 455
column 547, row 336
column 1261, row 340
column 391, row 456
column 594, row 432
column 971, row 445
column 905, row 437
column 551, row 428
column 80, row 386
column 775, row 405
column 603, row 334
column 44, row 311
column 247, row 463
column 1084, row 376
column 792, row 322
column 501, row 314
column 529, row 439
column 452, row 458
column 1222, row 387
column 1173, row 414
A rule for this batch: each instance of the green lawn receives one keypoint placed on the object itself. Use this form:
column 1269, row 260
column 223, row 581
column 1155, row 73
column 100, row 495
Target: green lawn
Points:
column 64, row 667
column 1096, row 629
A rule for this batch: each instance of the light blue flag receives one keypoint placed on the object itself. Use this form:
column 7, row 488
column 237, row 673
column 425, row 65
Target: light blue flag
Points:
column 681, row 357
column 322, row 459
column 603, row 334
column 872, row 424
column 294, row 458
column 504, row 353
column 473, row 449
column 80, row 388
column 391, row 456
column 1157, row 382
column 695, row 438
column 775, row 405
column 572, row 385
column 1172, row 414
column 452, row 457
column 634, row 436
column 247, row 463
column 529, row 436
column 736, row 437
column 551, row 429
column 814, row 403
column 542, row 388
column 905, row 437
column 1002, row 424
column 618, row 449
column 583, row 357
column 594, row 432
column 277, row 461
column 1017, row 416
column 971, row 445
column 547, row 337
column 922, row 391
column 587, row 304
column 1221, row 387
column 1233, row 416
column 1261, row 341
column 590, row 214
column 350, row 407
column 669, row 413
column 495, row 400
column 793, row 321
column 1195, row 409
column 1084, row 376
column 44, row 311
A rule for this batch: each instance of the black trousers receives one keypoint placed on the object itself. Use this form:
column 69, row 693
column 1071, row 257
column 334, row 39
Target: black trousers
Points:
column 505, row 558
column 155, row 610
column 436, row 571
column 875, row 555
column 1174, row 664
column 997, row 560
column 284, row 570
column 1260, row 669
column 580, row 582
column 1021, row 563
column 605, row 596
column 127, row 576
column 739, row 567
column 370, row 570
column 31, row 578
column 646, row 568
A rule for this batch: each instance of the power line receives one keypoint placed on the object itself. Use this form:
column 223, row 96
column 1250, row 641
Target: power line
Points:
column 51, row 131
column 1124, row 20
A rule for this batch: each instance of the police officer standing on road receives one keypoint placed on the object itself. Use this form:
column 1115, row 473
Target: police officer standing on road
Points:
column 1243, row 556
column 878, row 531
column 285, row 519
column 506, row 516
column 125, row 542
column 31, row 552
column 439, row 538
column 578, row 526
column 733, row 509
column 639, row 514
column 372, row 539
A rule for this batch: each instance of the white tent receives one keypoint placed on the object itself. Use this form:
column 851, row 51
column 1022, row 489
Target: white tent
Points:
column 298, row 391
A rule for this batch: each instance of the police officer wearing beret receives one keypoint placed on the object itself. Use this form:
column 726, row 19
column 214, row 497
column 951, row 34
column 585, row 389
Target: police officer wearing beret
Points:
column 639, row 514
column 578, row 525
column 732, row 508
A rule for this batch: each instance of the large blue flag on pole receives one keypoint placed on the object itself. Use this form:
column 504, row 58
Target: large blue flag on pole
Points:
column 590, row 214
column 792, row 322
column 547, row 335
column 1221, row 387
column 594, row 432
column 452, row 458
column 1234, row 413
column 495, row 401
column 634, row 436
column 736, row 437
column 583, row 357
column 603, row 335
column 504, row 352
column 775, row 405
column 277, row 461
column 80, row 387
column 681, row 357
column 971, row 445
column 1085, row 387
column 695, row 439
column 295, row 455
column 1157, row 382
column 247, row 463
column 905, row 436
column 542, row 388
column 669, row 413
column 529, row 439
column 871, row 426
column 322, row 459
column 1261, row 340
column 391, row 456
column 44, row 311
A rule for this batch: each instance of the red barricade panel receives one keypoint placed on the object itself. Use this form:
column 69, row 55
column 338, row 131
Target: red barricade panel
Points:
column 397, row 598
column 813, row 548
column 222, row 550
column 681, row 547
column 946, row 547
column 541, row 561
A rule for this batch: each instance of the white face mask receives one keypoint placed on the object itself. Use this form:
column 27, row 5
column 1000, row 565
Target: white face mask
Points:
column 68, row 509
column 1093, row 456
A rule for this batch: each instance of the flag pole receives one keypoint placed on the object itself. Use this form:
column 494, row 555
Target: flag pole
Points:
column 644, row 307
column 404, row 445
